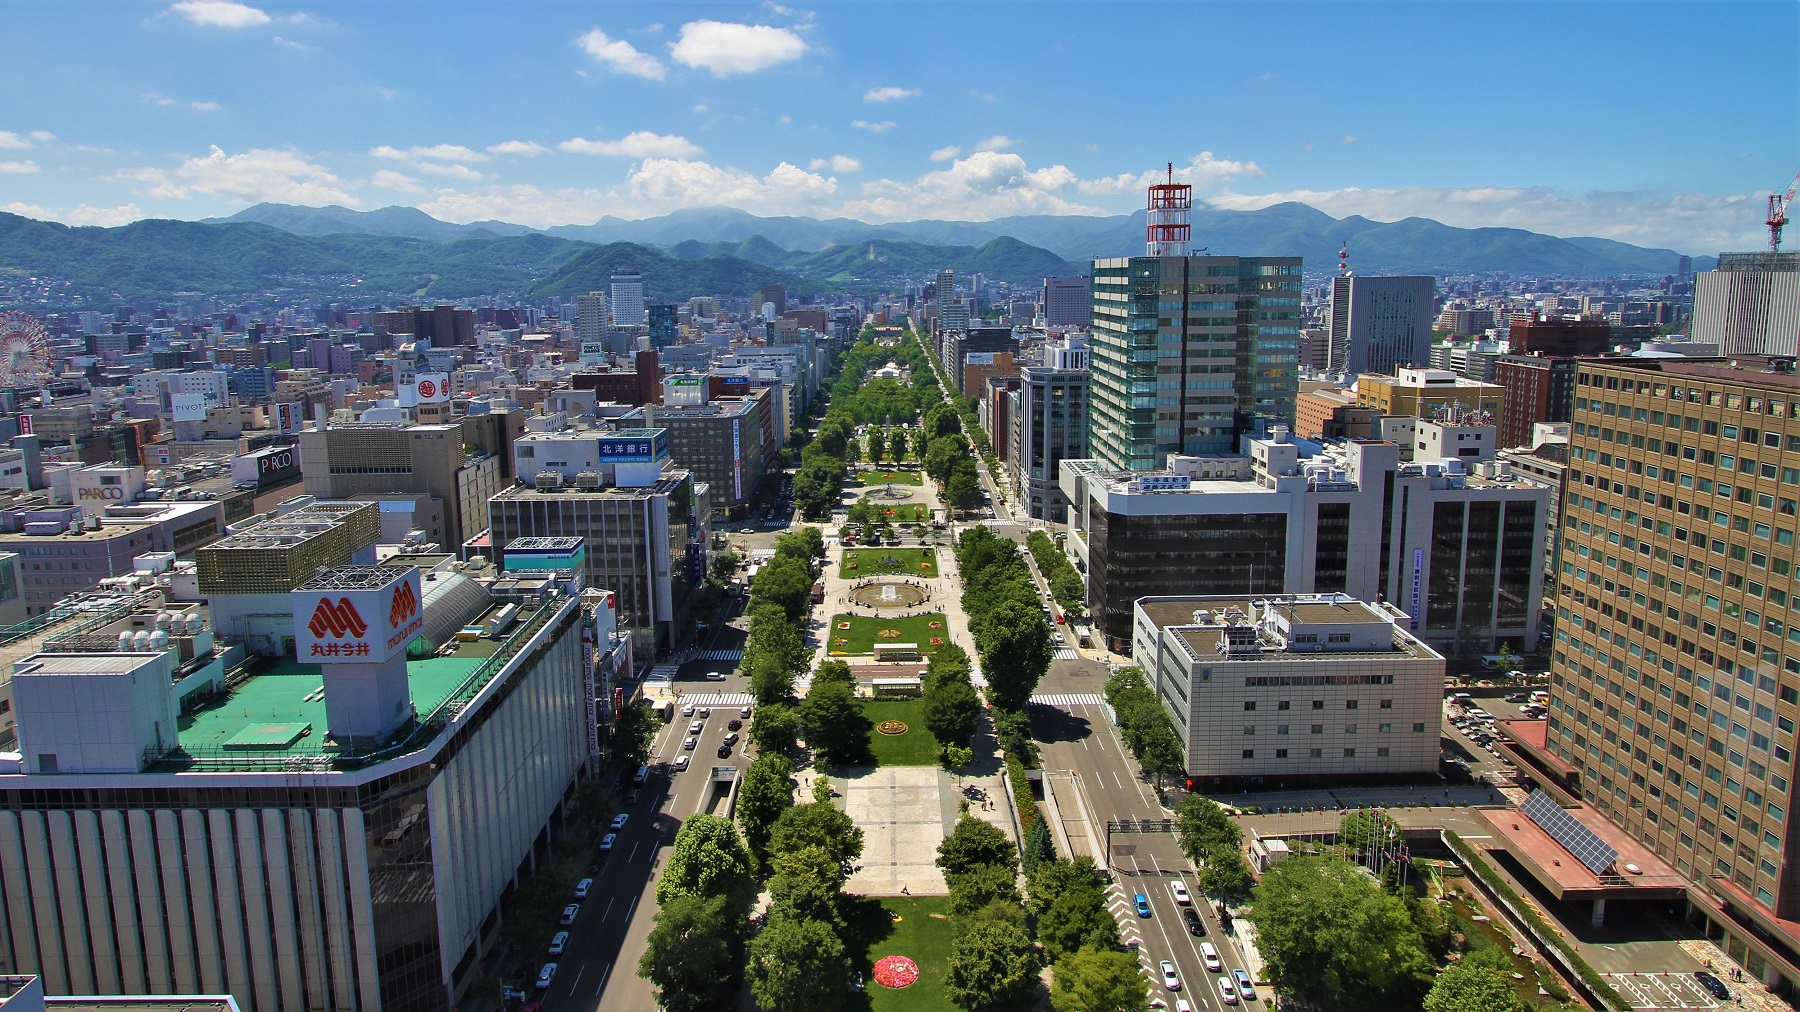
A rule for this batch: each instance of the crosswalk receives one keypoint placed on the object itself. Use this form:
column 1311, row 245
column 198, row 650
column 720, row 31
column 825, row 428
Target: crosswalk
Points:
column 1069, row 698
column 1124, row 911
column 733, row 656
column 1067, row 654
column 717, row 699
column 663, row 673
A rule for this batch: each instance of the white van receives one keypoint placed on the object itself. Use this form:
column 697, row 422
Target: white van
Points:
column 641, row 775
column 1210, row 956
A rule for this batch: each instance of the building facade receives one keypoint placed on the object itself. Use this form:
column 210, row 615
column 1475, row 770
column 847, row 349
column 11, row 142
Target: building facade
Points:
column 1284, row 691
column 1456, row 544
column 1048, row 423
column 627, row 300
column 1427, row 393
column 1067, row 302
column 1381, row 324
column 370, row 460
column 1750, row 305
column 1189, row 353
column 1537, row 388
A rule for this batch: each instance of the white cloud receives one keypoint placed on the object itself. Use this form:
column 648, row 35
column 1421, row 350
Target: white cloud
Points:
column 639, row 144
column 1204, row 171
column 620, row 56
column 726, row 49
column 890, row 94
column 946, row 153
column 220, row 13
column 156, row 98
column 434, row 152
column 206, row 106
column 24, row 168
column 256, row 175
column 450, row 171
column 1348, row 139
column 42, row 136
column 10, row 141
column 1696, row 223
column 388, row 179
column 1092, row 148
column 521, row 149
column 987, row 184
column 298, row 47
column 875, row 128
column 81, row 215
column 836, row 163
column 998, row 142
column 657, row 186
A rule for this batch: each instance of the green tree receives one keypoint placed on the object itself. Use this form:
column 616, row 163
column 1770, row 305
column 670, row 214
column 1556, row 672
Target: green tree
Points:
column 1226, row 874
column 775, row 727
column 771, row 682
column 1365, row 831
column 950, row 662
column 963, row 490
column 1332, row 937
column 1159, row 753
column 971, row 844
column 805, row 886
column 804, row 545
column 896, row 445
column 690, row 956
column 982, row 884
column 820, row 825
column 919, row 440
column 952, row 711
column 764, row 795
column 833, row 671
column 877, row 446
column 1202, row 824
column 1470, row 987
column 835, row 726
column 773, row 637
column 1037, row 847
column 1015, row 653
column 635, row 733
column 1098, row 980
column 786, row 582
column 724, row 564
column 798, row 964
column 993, row 968
column 708, row 859
column 1074, row 918
column 1069, row 591
column 942, row 456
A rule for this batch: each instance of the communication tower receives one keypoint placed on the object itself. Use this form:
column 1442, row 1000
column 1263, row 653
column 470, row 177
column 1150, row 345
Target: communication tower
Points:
column 1167, row 228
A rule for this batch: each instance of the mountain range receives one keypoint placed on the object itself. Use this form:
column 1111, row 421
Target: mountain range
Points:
column 1408, row 246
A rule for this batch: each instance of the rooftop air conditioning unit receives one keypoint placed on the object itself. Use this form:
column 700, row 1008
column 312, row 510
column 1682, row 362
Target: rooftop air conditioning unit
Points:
column 588, row 479
column 549, row 479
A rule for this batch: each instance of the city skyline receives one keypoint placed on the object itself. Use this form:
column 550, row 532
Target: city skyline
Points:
column 562, row 113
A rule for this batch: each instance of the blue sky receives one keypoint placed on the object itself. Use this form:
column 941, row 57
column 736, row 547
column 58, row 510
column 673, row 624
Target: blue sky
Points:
column 1661, row 124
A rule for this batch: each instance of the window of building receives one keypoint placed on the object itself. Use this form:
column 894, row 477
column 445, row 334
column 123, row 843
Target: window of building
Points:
column 1318, row 729
column 1249, row 753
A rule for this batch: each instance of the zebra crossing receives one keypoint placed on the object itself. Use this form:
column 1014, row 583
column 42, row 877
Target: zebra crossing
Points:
column 1067, row 654
column 718, row 699
column 734, row 655
column 1124, row 911
column 1069, row 699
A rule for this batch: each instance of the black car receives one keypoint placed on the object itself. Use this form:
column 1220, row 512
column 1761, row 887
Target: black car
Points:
column 724, row 751
column 1713, row 984
column 734, row 724
column 1196, row 926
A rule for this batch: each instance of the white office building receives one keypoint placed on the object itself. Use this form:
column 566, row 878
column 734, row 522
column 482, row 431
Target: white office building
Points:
column 628, row 308
column 1381, row 324
column 1750, row 305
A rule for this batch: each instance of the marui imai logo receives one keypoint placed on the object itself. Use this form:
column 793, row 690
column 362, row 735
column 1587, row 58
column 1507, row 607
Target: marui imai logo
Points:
column 338, row 620
column 405, row 605
column 427, row 388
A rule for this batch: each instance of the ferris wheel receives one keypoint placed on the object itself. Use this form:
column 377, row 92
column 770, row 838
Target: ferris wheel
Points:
column 25, row 358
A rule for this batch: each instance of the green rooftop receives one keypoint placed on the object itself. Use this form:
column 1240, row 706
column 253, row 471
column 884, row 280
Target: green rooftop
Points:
column 281, row 712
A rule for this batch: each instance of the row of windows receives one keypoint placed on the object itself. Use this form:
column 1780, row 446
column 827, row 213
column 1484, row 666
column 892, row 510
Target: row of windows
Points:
column 1319, row 704
column 1418, row 726
column 1317, row 753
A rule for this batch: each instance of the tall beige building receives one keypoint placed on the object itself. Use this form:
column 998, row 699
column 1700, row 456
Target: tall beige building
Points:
column 448, row 475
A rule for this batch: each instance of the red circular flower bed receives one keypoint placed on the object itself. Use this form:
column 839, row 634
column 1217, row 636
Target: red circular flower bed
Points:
column 896, row 971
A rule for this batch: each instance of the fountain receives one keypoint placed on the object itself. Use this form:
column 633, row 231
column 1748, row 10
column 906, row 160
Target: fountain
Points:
column 889, row 595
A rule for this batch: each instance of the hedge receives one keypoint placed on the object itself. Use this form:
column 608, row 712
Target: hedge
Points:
column 1546, row 934
column 1022, row 800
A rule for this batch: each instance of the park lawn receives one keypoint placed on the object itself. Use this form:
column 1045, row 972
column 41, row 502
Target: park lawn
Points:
column 871, row 933
column 914, row 748
column 920, row 562
column 861, row 637
column 904, row 512
column 887, row 476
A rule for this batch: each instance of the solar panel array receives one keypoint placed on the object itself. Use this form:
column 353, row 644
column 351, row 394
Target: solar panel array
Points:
column 1577, row 839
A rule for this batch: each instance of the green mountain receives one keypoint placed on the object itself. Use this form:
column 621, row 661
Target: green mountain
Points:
column 158, row 258
column 882, row 261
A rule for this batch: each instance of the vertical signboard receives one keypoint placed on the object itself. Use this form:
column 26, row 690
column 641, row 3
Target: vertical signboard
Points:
column 289, row 417
column 737, row 461
column 1418, row 570
column 593, row 696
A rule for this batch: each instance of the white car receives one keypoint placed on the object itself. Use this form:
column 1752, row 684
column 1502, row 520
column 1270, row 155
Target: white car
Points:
column 545, row 976
column 1181, row 1005
column 558, row 942
column 695, row 727
column 607, row 841
column 1227, row 992
column 1245, row 987
column 681, row 763
column 571, row 912
column 582, row 887
column 688, row 710
column 619, row 821
column 1210, row 956
column 1179, row 889
column 1170, row 980
column 688, row 743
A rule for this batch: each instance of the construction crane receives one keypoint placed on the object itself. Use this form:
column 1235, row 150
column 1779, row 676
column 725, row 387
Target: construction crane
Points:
column 1778, row 205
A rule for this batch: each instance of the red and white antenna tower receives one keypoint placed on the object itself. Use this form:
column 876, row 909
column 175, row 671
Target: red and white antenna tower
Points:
column 1344, row 260
column 1778, row 218
column 1167, row 230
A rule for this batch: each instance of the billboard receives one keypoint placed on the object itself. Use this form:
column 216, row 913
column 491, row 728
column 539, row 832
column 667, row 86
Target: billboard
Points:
column 433, row 388
column 979, row 358
column 364, row 625
column 643, row 449
column 289, row 417
column 187, row 407
column 25, row 425
column 277, row 464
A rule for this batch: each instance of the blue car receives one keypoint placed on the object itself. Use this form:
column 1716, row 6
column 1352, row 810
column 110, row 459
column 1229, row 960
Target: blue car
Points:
column 1143, row 905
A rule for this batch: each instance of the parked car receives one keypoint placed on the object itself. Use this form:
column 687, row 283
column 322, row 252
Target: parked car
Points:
column 558, row 942
column 1245, row 987
column 570, row 912
column 1143, row 904
column 607, row 841
column 545, row 976
column 582, row 887
column 1713, row 985
column 1170, row 980
column 681, row 764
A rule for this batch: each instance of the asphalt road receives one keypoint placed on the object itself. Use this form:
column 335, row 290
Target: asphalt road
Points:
column 1079, row 738
column 598, row 970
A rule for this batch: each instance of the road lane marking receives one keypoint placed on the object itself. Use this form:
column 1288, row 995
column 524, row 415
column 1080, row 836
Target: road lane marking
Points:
column 608, row 910
column 630, row 909
column 633, row 854
column 605, row 975
column 577, row 981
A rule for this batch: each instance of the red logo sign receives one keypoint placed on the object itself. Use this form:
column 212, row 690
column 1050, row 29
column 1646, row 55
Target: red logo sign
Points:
column 427, row 388
column 404, row 606
column 337, row 620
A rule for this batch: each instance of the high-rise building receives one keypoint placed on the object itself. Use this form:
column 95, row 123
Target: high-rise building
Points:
column 1449, row 538
column 628, row 299
column 1538, row 336
column 661, row 317
column 324, row 834
column 1284, row 691
column 1190, row 352
column 590, row 317
column 720, row 441
column 1380, row 324
column 1067, row 302
column 1750, row 305
column 952, row 312
column 1049, row 425
column 1675, row 674
column 446, row 476
column 1538, row 388
column 773, row 295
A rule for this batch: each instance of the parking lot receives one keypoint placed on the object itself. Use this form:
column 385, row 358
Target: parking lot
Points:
column 1655, row 991
column 1470, row 733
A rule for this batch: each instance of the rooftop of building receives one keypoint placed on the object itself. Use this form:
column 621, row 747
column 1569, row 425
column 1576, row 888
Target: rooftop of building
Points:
column 1774, row 372
column 17, row 994
column 665, row 483
column 1563, row 874
column 724, row 407
column 105, row 532
column 1200, row 621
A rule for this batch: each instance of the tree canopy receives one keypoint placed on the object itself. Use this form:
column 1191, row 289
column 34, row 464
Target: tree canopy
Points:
column 993, row 968
column 707, row 860
column 1332, row 936
column 798, row 964
column 691, row 955
column 1099, row 980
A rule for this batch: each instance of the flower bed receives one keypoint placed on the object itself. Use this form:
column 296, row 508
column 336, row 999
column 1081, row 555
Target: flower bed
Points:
column 896, row 972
